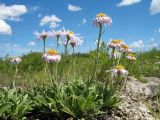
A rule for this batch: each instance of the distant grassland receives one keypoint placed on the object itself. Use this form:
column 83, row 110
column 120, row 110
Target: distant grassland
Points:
column 31, row 70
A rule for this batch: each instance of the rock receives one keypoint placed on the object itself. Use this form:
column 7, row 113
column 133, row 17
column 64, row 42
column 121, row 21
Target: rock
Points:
column 134, row 97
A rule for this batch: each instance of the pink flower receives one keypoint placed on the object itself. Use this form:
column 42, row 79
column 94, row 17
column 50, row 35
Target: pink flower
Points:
column 51, row 56
column 43, row 35
column 119, row 70
column 116, row 43
column 71, row 38
column 15, row 60
column 125, row 48
column 131, row 57
column 101, row 19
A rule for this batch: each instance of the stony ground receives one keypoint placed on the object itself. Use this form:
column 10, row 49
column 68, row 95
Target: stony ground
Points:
column 136, row 99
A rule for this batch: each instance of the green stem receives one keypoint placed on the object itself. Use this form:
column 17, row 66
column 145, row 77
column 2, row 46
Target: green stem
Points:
column 44, row 46
column 14, row 80
column 51, row 72
column 57, row 41
column 74, row 64
column 113, row 51
column 97, row 54
column 57, row 72
column 119, row 59
column 98, row 44
column 65, row 51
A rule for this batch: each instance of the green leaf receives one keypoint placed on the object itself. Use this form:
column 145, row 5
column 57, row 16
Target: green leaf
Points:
column 41, row 100
column 5, row 107
column 68, row 111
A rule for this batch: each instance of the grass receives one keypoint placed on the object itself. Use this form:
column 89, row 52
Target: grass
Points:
column 31, row 70
column 75, row 93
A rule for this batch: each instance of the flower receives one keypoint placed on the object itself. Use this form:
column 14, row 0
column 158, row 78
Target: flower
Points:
column 115, row 55
column 131, row 57
column 116, row 43
column 43, row 35
column 69, row 34
column 15, row 60
column 119, row 70
column 51, row 56
column 124, row 48
column 71, row 38
column 101, row 19
column 57, row 33
column 75, row 41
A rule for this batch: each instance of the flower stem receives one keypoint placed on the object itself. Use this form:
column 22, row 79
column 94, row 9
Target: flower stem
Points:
column 74, row 64
column 57, row 41
column 44, row 46
column 113, row 52
column 57, row 72
column 66, row 45
column 65, row 51
column 14, row 80
column 97, row 52
column 51, row 72
column 98, row 44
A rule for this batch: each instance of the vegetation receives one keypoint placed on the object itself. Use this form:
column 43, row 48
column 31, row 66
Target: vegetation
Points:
column 70, row 86
column 83, row 97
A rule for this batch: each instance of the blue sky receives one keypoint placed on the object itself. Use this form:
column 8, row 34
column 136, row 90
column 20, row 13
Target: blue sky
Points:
column 134, row 21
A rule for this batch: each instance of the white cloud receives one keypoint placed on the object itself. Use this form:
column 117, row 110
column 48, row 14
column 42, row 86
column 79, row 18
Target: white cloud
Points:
column 5, row 29
column 7, row 48
column 152, row 45
column 14, row 49
column 31, row 43
column 157, row 30
column 54, row 25
column 39, row 15
column 128, row 2
column 155, row 7
column 84, row 21
column 34, row 8
column 52, row 20
column 12, row 12
column 137, row 44
column 152, row 39
column 74, row 8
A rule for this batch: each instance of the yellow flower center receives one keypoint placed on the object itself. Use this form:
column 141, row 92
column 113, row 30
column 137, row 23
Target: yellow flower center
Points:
column 125, row 47
column 52, row 52
column 120, row 67
column 70, row 32
column 116, row 41
column 131, row 55
column 101, row 15
column 44, row 33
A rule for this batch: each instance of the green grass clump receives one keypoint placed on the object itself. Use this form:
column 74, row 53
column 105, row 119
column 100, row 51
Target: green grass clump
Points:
column 78, row 99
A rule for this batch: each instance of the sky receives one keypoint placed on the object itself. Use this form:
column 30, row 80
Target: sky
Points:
column 137, row 22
